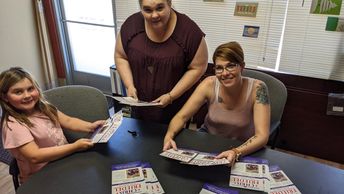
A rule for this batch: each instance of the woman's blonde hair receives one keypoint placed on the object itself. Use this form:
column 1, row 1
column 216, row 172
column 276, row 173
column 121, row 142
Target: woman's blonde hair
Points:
column 230, row 51
column 9, row 78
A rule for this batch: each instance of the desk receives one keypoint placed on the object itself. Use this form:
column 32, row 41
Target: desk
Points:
column 90, row 171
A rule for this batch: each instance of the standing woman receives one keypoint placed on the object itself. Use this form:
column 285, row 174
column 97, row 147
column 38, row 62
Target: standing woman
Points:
column 160, row 54
column 238, row 107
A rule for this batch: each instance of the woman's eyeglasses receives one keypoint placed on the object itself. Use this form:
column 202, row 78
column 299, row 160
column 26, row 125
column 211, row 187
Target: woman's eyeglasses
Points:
column 230, row 67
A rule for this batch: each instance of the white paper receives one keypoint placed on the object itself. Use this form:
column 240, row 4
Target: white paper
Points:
column 104, row 133
column 193, row 157
column 280, row 183
column 128, row 178
column 133, row 102
column 250, row 173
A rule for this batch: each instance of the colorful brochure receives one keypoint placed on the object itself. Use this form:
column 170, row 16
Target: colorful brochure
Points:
column 194, row 157
column 135, row 177
column 104, row 133
column 250, row 173
column 280, row 183
column 128, row 178
column 152, row 183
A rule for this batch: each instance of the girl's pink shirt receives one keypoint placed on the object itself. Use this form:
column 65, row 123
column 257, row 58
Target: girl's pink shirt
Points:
column 44, row 133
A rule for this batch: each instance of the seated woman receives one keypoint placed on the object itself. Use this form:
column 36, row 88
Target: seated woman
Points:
column 238, row 107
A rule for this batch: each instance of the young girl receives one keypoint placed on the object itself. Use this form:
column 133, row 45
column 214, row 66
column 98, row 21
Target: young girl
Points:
column 31, row 126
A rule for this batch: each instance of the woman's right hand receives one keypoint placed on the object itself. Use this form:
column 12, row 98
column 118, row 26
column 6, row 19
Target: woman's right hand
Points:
column 169, row 143
column 131, row 91
column 83, row 144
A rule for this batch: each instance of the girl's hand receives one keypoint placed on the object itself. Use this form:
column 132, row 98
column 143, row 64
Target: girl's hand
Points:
column 83, row 144
column 229, row 154
column 92, row 126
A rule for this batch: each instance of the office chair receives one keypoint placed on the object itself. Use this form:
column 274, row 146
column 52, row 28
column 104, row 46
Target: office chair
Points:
column 278, row 97
column 84, row 102
column 7, row 158
column 14, row 171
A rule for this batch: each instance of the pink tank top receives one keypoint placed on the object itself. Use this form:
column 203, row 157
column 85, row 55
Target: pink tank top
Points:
column 236, row 123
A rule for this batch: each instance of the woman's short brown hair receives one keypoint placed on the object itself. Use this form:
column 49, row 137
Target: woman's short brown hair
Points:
column 230, row 51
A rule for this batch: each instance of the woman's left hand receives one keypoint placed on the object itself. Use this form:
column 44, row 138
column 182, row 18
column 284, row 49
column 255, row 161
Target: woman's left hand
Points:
column 229, row 154
column 164, row 100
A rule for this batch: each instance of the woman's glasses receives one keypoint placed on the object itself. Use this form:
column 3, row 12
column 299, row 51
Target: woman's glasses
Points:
column 230, row 67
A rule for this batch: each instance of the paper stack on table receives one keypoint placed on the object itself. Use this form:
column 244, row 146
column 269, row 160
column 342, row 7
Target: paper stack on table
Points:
column 280, row 183
column 134, row 177
column 255, row 174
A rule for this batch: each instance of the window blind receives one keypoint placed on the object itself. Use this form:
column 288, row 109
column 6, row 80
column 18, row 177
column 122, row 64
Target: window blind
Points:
column 308, row 49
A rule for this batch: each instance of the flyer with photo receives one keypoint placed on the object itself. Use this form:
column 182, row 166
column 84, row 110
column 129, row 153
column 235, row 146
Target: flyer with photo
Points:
column 152, row 183
column 193, row 157
column 207, row 159
column 183, row 155
column 212, row 189
column 128, row 178
column 280, row 183
column 104, row 133
column 250, row 173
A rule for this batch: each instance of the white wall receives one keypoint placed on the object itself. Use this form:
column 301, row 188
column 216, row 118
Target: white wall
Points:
column 19, row 43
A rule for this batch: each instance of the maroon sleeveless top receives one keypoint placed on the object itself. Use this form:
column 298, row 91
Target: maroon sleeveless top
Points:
column 157, row 67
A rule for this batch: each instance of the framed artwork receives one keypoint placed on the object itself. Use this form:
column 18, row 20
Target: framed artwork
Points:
column 247, row 9
column 329, row 7
column 335, row 24
column 251, row 31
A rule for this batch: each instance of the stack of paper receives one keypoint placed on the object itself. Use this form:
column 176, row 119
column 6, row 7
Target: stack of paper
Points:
column 135, row 177
column 250, row 173
column 280, row 183
column 255, row 174
column 194, row 157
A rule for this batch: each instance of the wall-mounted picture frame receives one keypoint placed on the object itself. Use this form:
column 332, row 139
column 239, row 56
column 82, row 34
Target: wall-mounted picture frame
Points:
column 251, row 31
column 335, row 24
column 247, row 9
column 329, row 7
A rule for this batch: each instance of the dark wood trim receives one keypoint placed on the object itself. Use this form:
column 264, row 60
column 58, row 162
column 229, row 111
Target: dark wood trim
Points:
column 54, row 38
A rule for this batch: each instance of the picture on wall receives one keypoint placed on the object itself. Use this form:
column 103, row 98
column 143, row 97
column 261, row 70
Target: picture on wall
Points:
column 247, row 9
column 335, row 24
column 329, row 7
column 251, row 31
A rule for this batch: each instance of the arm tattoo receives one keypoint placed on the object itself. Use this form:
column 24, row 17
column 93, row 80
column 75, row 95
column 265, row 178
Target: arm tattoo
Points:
column 262, row 95
column 248, row 141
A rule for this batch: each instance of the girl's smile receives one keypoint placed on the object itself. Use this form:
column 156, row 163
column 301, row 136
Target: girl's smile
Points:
column 23, row 96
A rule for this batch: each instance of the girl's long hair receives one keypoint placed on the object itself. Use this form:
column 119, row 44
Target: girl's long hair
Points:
column 9, row 78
